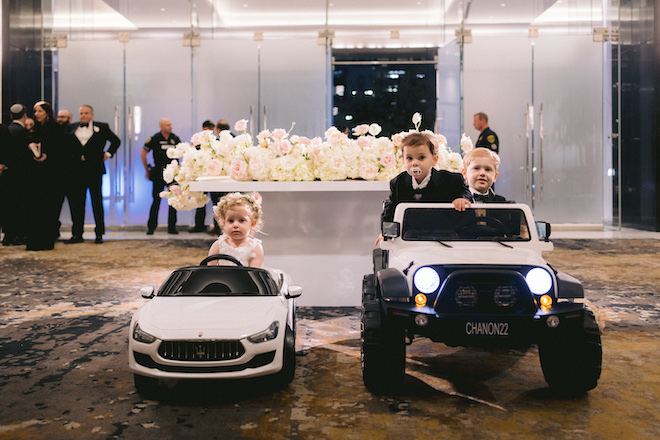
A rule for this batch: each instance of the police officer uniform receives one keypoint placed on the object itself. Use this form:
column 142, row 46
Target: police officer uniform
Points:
column 488, row 139
column 158, row 146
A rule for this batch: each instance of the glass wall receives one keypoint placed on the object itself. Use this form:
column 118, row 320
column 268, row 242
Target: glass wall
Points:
column 544, row 95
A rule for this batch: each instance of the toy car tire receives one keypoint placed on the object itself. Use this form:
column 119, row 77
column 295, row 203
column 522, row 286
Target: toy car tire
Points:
column 285, row 376
column 383, row 351
column 572, row 364
column 146, row 387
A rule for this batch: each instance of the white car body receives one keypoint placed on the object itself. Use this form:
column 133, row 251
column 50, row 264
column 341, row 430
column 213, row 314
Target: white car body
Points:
column 202, row 321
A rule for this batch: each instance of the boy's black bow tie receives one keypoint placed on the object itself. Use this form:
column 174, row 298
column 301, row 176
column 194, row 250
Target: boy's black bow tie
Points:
column 480, row 197
column 84, row 125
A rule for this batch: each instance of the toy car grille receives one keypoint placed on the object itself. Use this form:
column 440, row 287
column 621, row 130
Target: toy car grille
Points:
column 201, row 350
column 485, row 291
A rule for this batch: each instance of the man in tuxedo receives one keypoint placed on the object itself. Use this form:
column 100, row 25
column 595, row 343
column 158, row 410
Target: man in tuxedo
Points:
column 90, row 138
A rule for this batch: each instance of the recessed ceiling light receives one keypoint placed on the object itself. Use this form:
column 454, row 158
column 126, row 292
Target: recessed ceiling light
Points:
column 162, row 9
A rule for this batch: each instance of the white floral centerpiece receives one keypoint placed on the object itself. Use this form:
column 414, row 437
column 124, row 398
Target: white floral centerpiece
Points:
column 280, row 156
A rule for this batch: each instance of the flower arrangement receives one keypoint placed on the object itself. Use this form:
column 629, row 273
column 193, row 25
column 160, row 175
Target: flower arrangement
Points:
column 280, row 156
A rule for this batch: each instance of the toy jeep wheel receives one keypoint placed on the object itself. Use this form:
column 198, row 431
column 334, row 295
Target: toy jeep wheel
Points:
column 572, row 364
column 368, row 288
column 383, row 357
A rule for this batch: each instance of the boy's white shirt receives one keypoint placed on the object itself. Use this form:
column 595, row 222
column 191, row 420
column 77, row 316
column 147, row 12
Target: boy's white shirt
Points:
column 424, row 183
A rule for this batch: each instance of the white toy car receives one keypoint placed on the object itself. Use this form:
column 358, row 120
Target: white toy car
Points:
column 212, row 322
column 474, row 278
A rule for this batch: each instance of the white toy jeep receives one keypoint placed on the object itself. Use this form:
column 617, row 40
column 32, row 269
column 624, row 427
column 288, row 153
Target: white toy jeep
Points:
column 475, row 278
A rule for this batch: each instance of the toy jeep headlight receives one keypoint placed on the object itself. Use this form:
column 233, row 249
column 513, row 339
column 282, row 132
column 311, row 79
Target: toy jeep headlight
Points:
column 539, row 281
column 426, row 280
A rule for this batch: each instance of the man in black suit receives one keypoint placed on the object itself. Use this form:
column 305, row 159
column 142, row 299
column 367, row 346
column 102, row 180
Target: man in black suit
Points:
column 421, row 182
column 90, row 138
column 17, row 160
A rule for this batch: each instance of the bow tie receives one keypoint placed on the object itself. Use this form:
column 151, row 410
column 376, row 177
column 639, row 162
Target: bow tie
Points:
column 480, row 197
column 84, row 125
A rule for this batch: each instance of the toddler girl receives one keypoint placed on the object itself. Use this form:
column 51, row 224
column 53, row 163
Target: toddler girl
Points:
column 239, row 216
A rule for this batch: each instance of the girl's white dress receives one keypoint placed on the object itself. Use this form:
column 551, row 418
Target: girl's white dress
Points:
column 242, row 253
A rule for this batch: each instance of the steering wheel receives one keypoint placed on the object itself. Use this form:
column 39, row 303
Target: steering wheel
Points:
column 226, row 257
column 492, row 228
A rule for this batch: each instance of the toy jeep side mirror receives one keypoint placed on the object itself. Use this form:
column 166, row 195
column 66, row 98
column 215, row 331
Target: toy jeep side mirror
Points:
column 543, row 229
column 390, row 229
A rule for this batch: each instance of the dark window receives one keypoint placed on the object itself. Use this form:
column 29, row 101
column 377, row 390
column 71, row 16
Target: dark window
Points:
column 385, row 87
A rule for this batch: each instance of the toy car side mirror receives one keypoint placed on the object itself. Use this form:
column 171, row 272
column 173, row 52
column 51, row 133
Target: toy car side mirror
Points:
column 147, row 292
column 294, row 292
column 543, row 229
column 390, row 229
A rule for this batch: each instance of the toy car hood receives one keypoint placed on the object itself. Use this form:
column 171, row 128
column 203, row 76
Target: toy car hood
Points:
column 464, row 253
column 210, row 317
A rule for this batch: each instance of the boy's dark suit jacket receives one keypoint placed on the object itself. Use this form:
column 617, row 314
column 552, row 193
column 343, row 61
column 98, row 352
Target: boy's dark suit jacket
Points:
column 94, row 149
column 444, row 186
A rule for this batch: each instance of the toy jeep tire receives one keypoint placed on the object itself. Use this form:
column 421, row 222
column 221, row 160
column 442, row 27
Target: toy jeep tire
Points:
column 572, row 364
column 368, row 288
column 383, row 356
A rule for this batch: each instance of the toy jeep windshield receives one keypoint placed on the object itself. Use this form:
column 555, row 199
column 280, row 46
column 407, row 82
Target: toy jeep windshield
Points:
column 475, row 279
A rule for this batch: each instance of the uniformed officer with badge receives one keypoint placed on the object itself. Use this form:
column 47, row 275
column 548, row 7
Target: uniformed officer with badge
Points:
column 487, row 137
column 158, row 145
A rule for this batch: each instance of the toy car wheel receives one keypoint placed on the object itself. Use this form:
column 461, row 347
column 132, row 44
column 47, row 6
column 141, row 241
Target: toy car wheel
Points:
column 383, row 355
column 573, row 363
column 368, row 288
column 147, row 387
column 288, row 371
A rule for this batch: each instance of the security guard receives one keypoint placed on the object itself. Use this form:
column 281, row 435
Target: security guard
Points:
column 158, row 145
column 487, row 137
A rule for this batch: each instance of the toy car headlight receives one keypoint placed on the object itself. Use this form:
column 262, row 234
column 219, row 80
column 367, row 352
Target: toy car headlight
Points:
column 539, row 281
column 426, row 280
column 266, row 335
column 142, row 336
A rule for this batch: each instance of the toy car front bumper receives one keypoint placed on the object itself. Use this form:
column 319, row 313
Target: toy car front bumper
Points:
column 487, row 330
column 260, row 359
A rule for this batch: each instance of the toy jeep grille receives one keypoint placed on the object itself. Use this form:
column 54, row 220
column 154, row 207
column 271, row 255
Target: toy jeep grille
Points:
column 485, row 291
column 201, row 350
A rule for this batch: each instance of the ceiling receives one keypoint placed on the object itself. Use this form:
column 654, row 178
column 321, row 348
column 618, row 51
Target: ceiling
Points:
column 411, row 22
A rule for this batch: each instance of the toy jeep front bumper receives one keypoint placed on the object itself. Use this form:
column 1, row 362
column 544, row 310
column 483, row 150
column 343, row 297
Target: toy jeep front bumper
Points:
column 484, row 330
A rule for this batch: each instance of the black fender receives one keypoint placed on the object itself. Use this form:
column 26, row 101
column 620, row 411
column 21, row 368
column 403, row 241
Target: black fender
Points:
column 391, row 283
column 568, row 287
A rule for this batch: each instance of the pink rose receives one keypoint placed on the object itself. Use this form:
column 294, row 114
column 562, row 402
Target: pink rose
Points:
column 368, row 171
column 388, row 159
column 213, row 167
column 279, row 133
column 282, row 147
column 361, row 129
column 363, row 141
column 241, row 125
column 337, row 162
column 176, row 190
column 239, row 169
